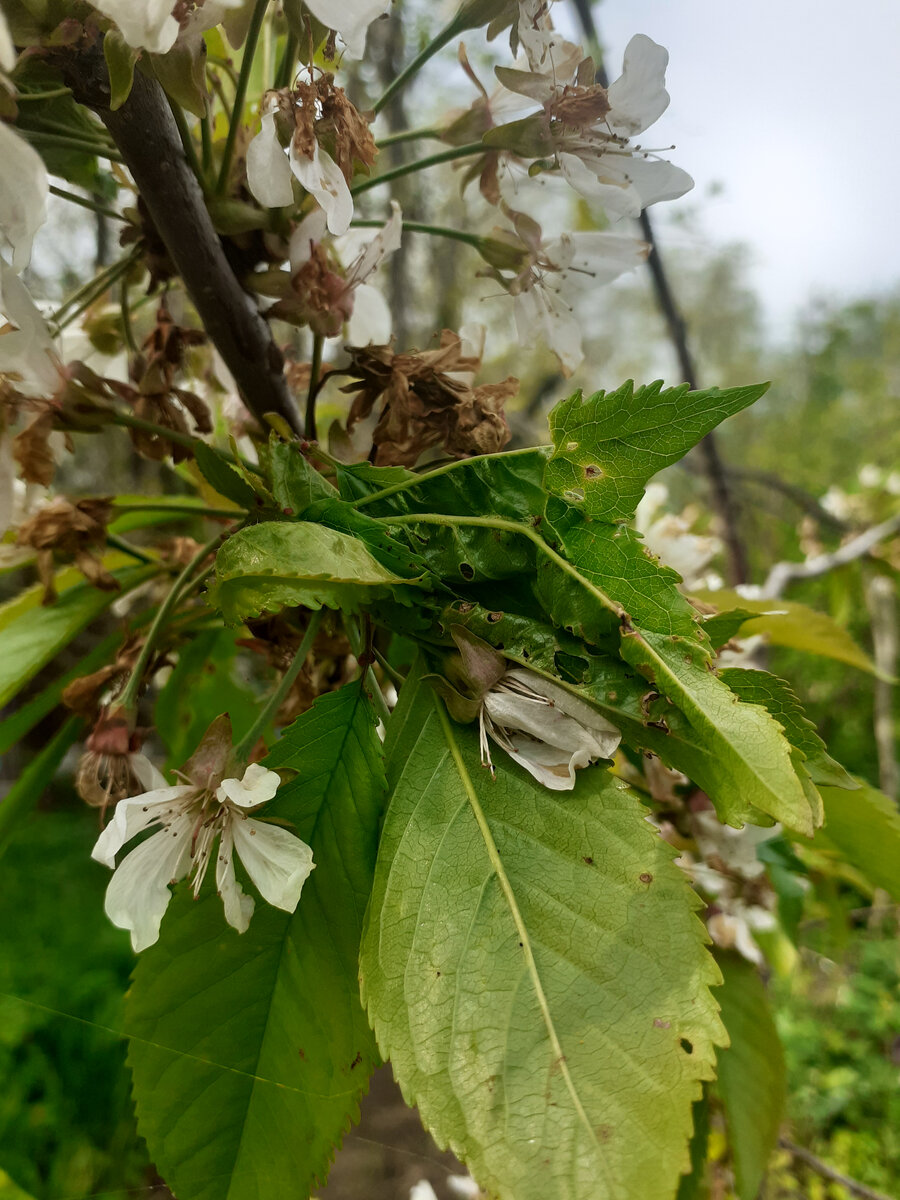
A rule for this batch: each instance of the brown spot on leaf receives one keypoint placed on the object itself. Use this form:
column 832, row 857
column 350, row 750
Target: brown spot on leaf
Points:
column 646, row 877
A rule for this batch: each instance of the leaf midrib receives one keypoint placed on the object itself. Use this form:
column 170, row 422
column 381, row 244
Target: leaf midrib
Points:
column 509, row 894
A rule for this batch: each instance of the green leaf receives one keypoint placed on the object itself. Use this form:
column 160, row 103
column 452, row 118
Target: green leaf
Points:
column 36, row 635
column 33, row 781
column 10, row 1190
column 776, row 697
column 796, row 626
column 120, row 60
column 533, row 967
column 268, row 566
column 739, row 756
column 182, row 73
column 24, row 719
column 607, row 447
column 296, row 484
column 250, row 1052
column 224, row 478
column 751, row 1073
column 864, row 827
column 199, row 689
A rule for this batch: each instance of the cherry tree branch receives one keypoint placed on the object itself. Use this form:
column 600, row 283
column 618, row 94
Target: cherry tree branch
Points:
column 147, row 137
column 821, row 1168
column 784, row 573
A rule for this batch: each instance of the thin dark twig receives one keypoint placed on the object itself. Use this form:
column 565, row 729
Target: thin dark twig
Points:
column 723, row 498
column 821, row 1168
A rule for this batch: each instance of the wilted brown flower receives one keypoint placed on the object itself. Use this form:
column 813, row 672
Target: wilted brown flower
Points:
column 84, row 695
column 427, row 399
column 75, row 531
column 329, row 666
column 31, row 450
column 111, row 766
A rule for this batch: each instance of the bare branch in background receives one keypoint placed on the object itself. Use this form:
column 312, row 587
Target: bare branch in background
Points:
column 802, row 498
column 821, row 1168
column 145, row 132
column 784, row 573
column 723, row 498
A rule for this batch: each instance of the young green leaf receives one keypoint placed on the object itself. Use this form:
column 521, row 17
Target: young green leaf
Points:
column 295, row 482
column 607, row 447
column 736, row 752
column 864, row 827
column 36, row 635
column 250, row 1052
column 775, row 696
column 224, row 478
column 752, row 1079
column 796, row 626
column 268, row 566
column 533, row 967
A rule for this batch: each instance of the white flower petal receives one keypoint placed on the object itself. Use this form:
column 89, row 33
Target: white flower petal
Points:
column 310, row 230
column 323, row 178
column 543, row 317
column 135, row 814
column 144, row 24
column 238, row 905
column 278, row 862
column 549, row 765
column 146, row 773
column 27, row 350
column 256, row 787
column 613, row 191
column 604, row 736
column 24, row 188
column 138, row 893
column 370, row 322
column 268, row 169
column 350, row 19
column 639, row 97
column 7, row 47
column 385, row 242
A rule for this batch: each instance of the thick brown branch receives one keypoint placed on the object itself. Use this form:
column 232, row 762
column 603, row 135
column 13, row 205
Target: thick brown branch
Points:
column 145, row 132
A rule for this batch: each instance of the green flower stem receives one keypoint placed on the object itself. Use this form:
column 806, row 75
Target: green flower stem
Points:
column 61, row 141
column 127, row 328
column 510, row 527
column 411, row 70
column 443, row 470
column 53, row 94
column 207, row 142
column 194, row 510
column 284, row 74
column 120, row 417
column 315, row 370
column 456, row 235
column 275, row 701
column 84, row 202
column 240, row 94
column 409, row 135
column 355, row 638
column 187, row 141
column 129, row 696
column 119, row 543
column 420, row 164
column 85, row 296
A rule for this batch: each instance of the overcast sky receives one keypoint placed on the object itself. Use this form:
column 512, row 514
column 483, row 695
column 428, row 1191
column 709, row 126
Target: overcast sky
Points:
column 793, row 106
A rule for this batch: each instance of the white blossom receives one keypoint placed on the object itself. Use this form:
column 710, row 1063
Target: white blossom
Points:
column 189, row 819
column 270, row 167
column 543, row 728
column 7, row 46
column 349, row 19
column 149, row 24
column 596, row 156
column 546, row 290
column 668, row 536
column 27, row 351
column 24, row 188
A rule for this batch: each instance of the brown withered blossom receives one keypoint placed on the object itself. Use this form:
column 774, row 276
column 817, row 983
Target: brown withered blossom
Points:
column 111, row 766
column 85, row 694
column 76, row 531
column 329, row 665
column 426, row 399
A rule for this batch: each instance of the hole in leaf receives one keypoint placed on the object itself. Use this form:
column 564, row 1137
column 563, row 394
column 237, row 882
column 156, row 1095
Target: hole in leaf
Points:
column 494, row 617
column 467, row 570
column 687, row 1047
column 592, row 472
column 574, row 496
column 570, row 446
